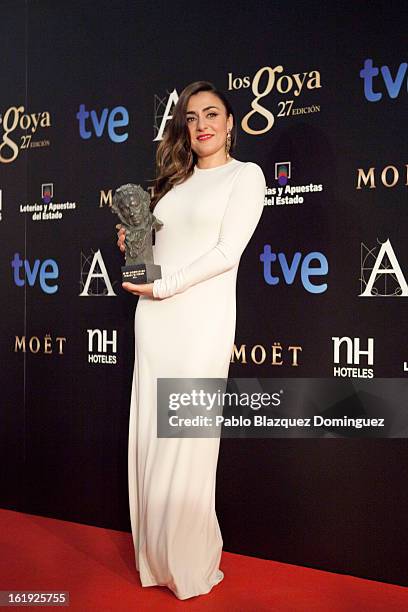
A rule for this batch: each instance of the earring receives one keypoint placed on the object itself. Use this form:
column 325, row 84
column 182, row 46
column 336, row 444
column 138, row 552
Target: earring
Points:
column 228, row 144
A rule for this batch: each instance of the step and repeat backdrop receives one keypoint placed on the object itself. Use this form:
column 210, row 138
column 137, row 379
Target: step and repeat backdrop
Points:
column 320, row 97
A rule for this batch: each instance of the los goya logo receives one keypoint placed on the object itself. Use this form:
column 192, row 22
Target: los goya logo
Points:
column 19, row 130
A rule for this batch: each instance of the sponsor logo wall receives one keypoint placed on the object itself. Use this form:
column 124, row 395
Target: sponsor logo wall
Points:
column 321, row 283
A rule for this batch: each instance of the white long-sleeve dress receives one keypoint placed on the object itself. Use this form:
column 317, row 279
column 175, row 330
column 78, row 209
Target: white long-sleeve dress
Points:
column 187, row 330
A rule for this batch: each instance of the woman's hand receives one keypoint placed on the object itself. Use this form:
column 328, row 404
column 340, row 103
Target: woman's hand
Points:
column 140, row 289
column 121, row 237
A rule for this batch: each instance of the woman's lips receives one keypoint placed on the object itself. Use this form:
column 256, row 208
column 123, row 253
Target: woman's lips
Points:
column 204, row 137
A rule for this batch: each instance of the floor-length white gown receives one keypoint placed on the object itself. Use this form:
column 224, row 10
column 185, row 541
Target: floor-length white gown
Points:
column 187, row 330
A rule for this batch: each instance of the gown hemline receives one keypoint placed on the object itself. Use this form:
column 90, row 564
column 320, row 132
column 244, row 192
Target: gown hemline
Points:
column 186, row 595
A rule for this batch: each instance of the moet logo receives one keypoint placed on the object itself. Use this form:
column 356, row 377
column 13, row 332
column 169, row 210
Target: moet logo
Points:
column 275, row 355
column 389, row 177
column 35, row 344
column 105, row 198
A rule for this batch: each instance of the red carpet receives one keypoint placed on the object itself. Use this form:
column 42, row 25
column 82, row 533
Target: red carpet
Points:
column 97, row 567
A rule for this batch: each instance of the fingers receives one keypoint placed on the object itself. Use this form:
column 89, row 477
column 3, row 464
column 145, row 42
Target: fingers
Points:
column 139, row 289
column 132, row 288
column 121, row 245
column 121, row 238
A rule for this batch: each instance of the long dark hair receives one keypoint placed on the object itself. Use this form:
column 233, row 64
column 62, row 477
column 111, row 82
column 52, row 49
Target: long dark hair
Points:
column 175, row 158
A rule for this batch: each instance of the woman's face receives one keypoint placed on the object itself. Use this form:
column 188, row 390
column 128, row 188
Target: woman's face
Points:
column 208, row 124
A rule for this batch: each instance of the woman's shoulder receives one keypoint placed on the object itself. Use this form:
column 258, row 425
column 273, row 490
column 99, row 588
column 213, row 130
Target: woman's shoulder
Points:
column 249, row 168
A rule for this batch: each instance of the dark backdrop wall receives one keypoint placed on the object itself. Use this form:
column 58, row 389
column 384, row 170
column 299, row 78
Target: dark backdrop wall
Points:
column 87, row 88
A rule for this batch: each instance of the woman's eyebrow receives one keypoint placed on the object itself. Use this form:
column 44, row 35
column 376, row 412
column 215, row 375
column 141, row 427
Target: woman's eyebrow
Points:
column 204, row 109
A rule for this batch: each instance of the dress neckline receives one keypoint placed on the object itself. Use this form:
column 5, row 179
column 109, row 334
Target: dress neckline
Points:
column 228, row 163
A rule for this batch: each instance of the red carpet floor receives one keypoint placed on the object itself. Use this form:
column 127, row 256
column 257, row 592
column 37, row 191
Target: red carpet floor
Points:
column 97, row 567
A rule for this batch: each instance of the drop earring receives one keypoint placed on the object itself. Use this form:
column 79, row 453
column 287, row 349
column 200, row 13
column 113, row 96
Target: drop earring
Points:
column 228, row 144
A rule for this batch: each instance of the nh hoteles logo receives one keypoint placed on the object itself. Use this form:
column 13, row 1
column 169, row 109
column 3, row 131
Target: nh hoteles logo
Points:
column 102, row 349
column 348, row 356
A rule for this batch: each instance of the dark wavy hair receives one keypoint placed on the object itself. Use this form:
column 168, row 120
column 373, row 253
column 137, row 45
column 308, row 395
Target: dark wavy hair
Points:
column 175, row 159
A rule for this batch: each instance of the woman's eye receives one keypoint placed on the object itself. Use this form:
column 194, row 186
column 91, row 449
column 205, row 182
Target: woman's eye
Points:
column 191, row 118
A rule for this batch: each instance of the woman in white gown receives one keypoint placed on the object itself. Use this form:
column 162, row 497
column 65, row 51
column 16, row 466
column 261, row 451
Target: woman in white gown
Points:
column 210, row 205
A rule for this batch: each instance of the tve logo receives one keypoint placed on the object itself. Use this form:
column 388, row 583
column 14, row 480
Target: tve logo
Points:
column 46, row 271
column 116, row 118
column 289, row 269
column 393, row 84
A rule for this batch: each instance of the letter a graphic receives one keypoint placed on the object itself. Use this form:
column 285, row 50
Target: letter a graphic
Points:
column 103, row 274
column 395, row 269
column 173, row 98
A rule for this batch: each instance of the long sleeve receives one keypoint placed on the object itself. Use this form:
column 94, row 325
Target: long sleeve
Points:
column 240, row 219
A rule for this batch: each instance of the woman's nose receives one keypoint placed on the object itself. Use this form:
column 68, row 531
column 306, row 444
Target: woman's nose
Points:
column 201, row 122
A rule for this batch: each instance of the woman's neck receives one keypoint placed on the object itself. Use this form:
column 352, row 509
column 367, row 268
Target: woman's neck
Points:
column 204, row 163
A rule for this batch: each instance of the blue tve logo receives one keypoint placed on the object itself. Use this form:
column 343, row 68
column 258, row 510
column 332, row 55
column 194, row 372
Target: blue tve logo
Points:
column 392, row 83
column 118, row 117
column 289, row 269
column 45, row 271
